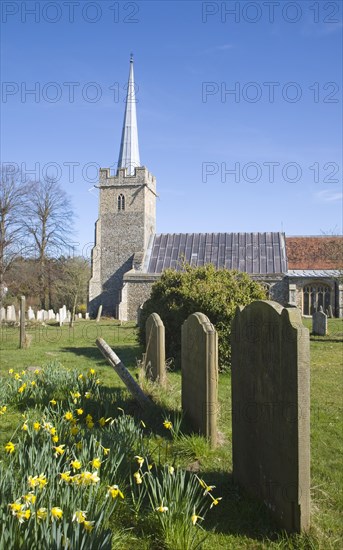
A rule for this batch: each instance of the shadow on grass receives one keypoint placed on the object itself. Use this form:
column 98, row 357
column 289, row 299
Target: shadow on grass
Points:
column 127, row 354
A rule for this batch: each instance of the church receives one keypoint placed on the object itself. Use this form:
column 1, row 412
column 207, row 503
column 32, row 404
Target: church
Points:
column 129, row 256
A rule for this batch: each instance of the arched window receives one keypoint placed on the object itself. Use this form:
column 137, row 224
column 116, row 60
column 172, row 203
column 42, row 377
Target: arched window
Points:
column 121, row 202
column 314, row 296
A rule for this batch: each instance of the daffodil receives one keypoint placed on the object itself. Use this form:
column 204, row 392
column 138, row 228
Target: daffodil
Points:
column 16, row 376
column 96, row 463
column 215, row 501
column 37, row 481
column 76, row 465
column 23, row 515
column 41, row 513
column 30, row 497
column 140, row 460
column 171, row 469
column 25, row 427
column 59, row 450
column 161, row 508
column 11, row 371
column 79, row 516
column 103, row 421
column 36, row 426
column 167, row 424
column 55, row 438
column 138, row 478
column 79, row 411
column 56, row 512
column 53, row 401
column 22, row 388
column 90, row 424
column 105, row 450
column 88, row 395
column 15, row 507
column 33, row 383
column 114, row 491
column 195, row 517
column 80, row 377
column 3, row 409
column 208, row 488
column 68, row 415
column 74, row 430
column 88, row 525
column 52, row 430
column 65, row 476
column 91, row 372
column 10, row 447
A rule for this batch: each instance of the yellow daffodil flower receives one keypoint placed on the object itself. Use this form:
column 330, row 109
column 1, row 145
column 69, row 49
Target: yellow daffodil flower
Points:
column 59, row 450
column 11, row 371
column 41, row 513
column 10, row 447
column 167, row 424
column 79, row 411
column 56, row 512
column 55, row 438
column 80, row 377
column 96, row 463
column 161, row 508
column 25, row 427
column 53, row 401
column 138, row 478
column 114, row 491
column 76, row 465
column 171, row 469
column 74, row 430
column 91, row 372
column 88, row 395
column 23, row 515
column 22, row 388
column 33, row 383
column 65, row 476
column 88, row 525
column 79, row 516
column 106, row 450
column 30, row 497
column 215, row 501
column 68, row 415
column 3, row 409
column 140, row 460
column 36, row 426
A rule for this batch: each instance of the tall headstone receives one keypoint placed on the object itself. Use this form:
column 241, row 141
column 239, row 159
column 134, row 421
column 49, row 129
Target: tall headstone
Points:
column 2, row 314
column 22, row 323
column 271, row 410
column 155, row 354
column 40, row 315
column 319, row 323
column 199, row 365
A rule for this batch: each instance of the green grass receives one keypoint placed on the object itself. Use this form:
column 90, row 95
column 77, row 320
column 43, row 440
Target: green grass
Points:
column 239, row 522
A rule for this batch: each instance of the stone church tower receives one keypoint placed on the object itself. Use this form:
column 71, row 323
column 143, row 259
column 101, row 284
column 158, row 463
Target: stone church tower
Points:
column 127, row 217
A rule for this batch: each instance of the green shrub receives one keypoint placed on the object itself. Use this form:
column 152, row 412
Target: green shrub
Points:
column 216, row 293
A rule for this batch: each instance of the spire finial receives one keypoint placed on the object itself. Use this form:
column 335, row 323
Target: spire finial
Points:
column 131, row 57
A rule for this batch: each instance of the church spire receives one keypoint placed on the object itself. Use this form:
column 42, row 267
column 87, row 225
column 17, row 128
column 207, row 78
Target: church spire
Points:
column 129, row 150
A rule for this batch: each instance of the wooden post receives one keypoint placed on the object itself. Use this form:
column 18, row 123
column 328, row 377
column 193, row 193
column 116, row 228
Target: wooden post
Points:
column 113, row 359
column 22, row 323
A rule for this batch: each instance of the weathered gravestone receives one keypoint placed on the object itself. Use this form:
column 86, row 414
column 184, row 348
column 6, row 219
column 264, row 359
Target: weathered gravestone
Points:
column 271, row 410
column 30, row 314
column 2, row 314
column 10, row 315
column 155, row 354
column 319, row 323
column 199, row 365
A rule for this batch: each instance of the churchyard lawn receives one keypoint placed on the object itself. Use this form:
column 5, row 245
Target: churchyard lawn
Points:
column 237, row 521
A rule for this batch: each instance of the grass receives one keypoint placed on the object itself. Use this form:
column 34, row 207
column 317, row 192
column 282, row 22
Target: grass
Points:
column 239, row 522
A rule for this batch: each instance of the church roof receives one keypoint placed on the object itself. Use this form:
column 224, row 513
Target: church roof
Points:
column 129, row 150
column 315, row 252
column 253, row 253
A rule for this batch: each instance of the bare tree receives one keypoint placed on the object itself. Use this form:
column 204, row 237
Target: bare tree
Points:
column 49, row 222
column 13, row 204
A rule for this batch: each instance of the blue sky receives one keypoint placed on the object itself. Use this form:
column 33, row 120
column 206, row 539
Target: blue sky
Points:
column 267, row 157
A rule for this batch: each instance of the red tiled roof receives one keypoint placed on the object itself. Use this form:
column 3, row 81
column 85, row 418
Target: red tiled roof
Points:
column 315, row 252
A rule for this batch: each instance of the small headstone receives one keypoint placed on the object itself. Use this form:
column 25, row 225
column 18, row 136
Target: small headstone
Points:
column 155, row 356
column 45, row 315
column 87, row 316
column 330, row 312
column 79, row 315
column 30, row 314
column 270, row 381
column 2, row 314
column 10, row 315
column 51, row 315
column 199, row 366
column 22, row 335
column 99, row 313
column 40, row 315
column 319, row 323
column 57, row 318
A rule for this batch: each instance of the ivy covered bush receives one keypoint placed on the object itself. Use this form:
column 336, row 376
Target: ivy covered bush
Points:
column 214, row 292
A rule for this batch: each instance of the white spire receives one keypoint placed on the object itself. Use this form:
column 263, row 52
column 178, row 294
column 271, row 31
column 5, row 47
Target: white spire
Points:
column 129, row 150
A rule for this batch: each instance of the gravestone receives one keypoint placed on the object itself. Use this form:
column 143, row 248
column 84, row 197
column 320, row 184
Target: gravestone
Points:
column 40, row 315
column 330, row 312
column 57, row 318
column 271, row 410
column 319, row 323
column 22, row 322
column 2, row 314
column 98, row 317
column 30, row 314
column 51, row 315
column 10, row 315
column 155, row 355
column 199, row 366
column 87, row 316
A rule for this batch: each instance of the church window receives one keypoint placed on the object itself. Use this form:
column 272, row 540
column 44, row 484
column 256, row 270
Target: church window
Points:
column 121, row 202
column 314, row 296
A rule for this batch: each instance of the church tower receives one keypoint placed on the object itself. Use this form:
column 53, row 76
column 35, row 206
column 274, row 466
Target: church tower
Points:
column 127, row 217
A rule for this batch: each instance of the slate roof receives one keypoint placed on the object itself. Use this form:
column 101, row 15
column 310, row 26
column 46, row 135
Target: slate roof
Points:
column 253, row 253
column 314, row 273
